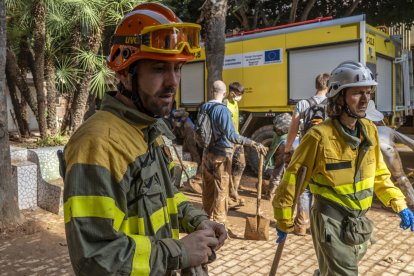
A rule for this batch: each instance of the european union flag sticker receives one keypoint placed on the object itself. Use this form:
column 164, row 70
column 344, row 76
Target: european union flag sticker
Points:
column 272, row 56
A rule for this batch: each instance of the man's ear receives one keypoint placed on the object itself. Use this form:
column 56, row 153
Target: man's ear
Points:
column 125, row 78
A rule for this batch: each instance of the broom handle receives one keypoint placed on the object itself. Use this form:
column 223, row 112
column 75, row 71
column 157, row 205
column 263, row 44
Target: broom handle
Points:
column 299, row 184
column 259, row 185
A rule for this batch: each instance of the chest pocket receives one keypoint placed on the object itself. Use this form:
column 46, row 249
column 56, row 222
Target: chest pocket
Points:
column 339, row 164
column 148, row 204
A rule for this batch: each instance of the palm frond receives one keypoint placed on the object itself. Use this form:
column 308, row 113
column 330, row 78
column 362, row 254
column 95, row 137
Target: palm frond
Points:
column 102, row 79
column 66, row 75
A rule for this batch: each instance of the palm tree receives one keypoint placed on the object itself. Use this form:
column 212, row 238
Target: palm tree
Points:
column 9, row 211
column 73, row 58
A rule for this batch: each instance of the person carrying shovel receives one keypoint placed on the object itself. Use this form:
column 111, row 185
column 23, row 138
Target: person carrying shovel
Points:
column 344, row 168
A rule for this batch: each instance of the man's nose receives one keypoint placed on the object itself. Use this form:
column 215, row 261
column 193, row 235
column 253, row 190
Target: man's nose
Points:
column 172, row 77
column 366, row 96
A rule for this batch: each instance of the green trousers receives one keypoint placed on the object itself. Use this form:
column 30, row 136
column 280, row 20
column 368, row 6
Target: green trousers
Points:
column 334, row 256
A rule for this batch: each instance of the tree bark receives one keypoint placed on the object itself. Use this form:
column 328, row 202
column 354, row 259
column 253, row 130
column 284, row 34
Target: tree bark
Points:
column 213, row 16
column 21, row 82
column 82, row 92
column 308, row 8
column 67, row 118
column 352, row 8
column 38, row 75
column 51, row 95
column 292, row 17
column 9, row 209
column 11, row 84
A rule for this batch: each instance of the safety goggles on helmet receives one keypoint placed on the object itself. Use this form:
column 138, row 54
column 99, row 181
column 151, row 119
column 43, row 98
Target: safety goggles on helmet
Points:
column 166, row 38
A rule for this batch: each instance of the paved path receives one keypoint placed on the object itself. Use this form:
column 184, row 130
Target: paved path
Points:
column 45, row 252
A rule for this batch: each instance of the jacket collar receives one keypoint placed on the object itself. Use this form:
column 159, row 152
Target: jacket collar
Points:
column 152, row 127
column 353, row 142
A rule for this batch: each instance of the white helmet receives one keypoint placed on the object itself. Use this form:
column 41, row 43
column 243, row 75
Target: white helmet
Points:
column 349, row 74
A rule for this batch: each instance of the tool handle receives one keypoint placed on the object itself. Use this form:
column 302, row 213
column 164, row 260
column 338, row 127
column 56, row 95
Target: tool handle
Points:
column 259, row 184
column 181, row 162
column 299, row 184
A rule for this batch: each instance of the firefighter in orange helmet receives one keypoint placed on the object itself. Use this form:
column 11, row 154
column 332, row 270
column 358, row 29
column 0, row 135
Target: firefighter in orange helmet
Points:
column 122, row 212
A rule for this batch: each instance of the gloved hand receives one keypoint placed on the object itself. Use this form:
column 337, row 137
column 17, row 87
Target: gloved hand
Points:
column 259, row 148
column 199, row 246
column 407, row 219
column 218, row 228
column 281, row 235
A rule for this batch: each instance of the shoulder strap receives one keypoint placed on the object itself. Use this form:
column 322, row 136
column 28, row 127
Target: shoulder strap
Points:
column 212, row 107
column 312, row 101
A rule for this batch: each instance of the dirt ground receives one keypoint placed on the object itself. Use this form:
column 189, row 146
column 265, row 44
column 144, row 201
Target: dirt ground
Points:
column 39, row 246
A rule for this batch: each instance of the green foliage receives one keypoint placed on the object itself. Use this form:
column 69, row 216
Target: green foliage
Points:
column 53, row 140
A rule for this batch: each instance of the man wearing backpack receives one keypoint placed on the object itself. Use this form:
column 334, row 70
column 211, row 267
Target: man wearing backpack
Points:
column 304, row 204
column 344, row 168
column 218, row 154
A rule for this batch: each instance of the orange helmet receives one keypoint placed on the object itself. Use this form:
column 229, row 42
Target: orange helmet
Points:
column 152, row 31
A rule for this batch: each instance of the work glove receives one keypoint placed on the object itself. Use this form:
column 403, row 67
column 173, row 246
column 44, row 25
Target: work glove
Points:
column 218, row 228
column 260, row 148
column 407, row 219
column 281, row 235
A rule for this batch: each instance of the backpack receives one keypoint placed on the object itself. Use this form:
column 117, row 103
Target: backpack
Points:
column 315, row 114
column 203, row 126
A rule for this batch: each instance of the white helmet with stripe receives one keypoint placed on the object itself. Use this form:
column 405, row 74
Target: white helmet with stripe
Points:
column 349, row 74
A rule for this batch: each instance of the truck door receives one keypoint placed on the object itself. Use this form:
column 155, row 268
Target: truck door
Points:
column 383, row 95
column 192, row 86
column 306, row 63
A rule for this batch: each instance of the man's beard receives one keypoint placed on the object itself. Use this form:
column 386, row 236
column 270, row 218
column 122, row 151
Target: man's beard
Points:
column 153, row 103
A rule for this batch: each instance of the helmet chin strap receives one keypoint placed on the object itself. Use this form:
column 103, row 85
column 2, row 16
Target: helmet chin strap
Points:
column 350, row 113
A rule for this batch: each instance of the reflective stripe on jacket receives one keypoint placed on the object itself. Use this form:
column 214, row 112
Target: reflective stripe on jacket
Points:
column 341, row 168
column 122, row 213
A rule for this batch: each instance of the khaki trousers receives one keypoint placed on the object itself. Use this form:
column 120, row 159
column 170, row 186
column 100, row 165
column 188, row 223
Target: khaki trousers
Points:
column 238, row 166
column 216, row 179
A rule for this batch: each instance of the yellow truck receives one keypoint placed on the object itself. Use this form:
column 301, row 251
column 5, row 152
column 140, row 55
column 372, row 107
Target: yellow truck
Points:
column 278, row 66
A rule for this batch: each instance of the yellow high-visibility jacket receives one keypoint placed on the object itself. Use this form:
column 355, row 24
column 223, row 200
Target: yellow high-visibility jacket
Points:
column 234, row 110
column 341, row 168
column 122, row 211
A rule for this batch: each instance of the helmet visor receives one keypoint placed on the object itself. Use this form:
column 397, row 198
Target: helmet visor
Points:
column 171, row 38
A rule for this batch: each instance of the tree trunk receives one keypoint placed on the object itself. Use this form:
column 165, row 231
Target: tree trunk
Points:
column 11, row 84
column 51, row 95
column 352, row 8
column 82, row 92
column 66, row 121
column 21, row 82
column 308, row 8
column 39, row 73
column 292, row 17
column 213, row 15
column 9, row 209
column 67, row 118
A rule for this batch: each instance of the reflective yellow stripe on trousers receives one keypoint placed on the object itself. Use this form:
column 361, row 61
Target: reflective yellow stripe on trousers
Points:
column 93, row 206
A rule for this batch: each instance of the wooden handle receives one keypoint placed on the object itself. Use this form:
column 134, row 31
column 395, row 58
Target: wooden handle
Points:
column 259, row 184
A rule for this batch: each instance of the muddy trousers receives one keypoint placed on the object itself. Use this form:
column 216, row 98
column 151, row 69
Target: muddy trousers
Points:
column 334, row 256
column 216, row 179
column 302, row 217
column 238, row 166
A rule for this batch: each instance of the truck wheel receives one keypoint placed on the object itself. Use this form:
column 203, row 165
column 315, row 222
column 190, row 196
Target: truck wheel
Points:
column 262, row 135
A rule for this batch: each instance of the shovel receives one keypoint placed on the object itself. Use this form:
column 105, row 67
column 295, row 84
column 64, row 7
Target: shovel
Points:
column 257, row 227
